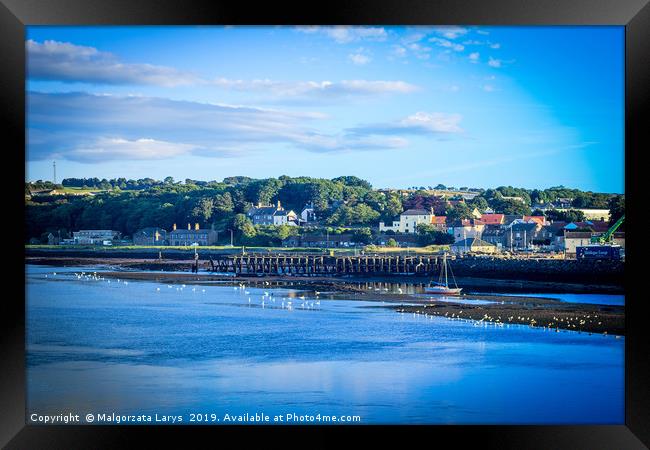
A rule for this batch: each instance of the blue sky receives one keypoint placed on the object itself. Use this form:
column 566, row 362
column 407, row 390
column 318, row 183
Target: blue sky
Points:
column 531, row 107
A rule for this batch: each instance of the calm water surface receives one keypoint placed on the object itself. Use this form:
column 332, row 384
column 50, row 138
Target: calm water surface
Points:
column 146, row 347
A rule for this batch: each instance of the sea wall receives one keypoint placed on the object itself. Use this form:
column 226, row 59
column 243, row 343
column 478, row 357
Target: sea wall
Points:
column 551, row 270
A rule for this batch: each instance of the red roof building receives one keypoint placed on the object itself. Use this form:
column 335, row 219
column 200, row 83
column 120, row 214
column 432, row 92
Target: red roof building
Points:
column 492, row 219
column 539, row 219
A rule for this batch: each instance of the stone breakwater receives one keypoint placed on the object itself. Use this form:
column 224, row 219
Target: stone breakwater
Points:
column 550, row 270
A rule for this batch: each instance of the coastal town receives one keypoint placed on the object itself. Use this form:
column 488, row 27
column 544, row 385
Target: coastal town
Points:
column 443, row 219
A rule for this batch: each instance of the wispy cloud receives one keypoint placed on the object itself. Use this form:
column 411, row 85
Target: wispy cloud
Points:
column 492, row 62
column 447, row 44
column 451, row 32
column 474, row 57
column 346, row 34
column 94, row 128
column 435, row 123
column 360, row 57
column 104, row 148
column 320, row 88
column 419, row 51
column 63, row 61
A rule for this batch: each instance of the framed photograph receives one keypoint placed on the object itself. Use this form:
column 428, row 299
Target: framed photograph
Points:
column 387, row 219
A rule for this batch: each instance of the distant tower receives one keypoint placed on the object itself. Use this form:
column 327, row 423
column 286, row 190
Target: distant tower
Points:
column 54, row 170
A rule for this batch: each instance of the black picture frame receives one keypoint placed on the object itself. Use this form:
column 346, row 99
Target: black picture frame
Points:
column 16, row 14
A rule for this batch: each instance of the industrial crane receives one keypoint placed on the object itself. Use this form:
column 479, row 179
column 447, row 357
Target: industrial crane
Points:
column 605, row 238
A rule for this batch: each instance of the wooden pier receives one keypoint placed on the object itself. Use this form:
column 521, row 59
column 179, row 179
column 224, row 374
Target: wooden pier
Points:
column 257, row 264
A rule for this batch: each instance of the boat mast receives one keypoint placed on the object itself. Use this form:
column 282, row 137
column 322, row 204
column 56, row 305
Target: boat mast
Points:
column 445, row 265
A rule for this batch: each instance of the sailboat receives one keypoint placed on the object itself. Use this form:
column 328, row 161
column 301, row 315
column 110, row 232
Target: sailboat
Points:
column 442, row 285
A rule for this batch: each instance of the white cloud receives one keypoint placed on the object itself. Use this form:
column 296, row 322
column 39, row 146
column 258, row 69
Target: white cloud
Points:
column 435, row 122
column 420, row 123
column 63, row 61
column 420, row 51
column 447, row 44
column 493, row 45
column 67, row 62
column 94, row 128
column 494, row 62
column 312, row 88
column 473, row 57
column 473, row 42
column 489, row 88
column 346, row 34
column 105, row 148
column 451, row 32
column 359, row 58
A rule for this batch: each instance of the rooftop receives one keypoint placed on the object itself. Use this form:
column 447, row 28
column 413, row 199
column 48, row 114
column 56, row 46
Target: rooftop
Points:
column 415, row 212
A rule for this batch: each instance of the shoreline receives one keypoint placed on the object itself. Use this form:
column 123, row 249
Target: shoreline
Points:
column 539, row 311
column 467, row 282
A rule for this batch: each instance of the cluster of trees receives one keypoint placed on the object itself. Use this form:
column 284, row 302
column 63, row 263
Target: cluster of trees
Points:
column 341, row 203
column 134, row 204
column 428, row 235
column 41, row 185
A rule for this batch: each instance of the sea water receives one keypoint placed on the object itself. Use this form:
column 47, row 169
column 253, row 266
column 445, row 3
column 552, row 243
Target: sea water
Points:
column 99, row 345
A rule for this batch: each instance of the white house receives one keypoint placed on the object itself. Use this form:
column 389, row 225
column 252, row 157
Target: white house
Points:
column 308, row 214
column 408, row 221
column 272, row 215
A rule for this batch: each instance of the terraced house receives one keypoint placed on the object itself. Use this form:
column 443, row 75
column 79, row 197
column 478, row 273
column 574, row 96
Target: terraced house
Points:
column 196, row 236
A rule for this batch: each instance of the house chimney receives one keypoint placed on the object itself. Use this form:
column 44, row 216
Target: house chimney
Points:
column 174, row 227
column 196, row 226
column 189, row 227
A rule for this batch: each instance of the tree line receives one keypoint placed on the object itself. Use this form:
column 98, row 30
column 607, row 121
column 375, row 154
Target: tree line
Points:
column 342, row 204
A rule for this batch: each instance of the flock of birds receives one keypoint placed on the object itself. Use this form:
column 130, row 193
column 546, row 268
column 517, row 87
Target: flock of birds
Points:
column 570, row 323
column 284, row 302
column 266, row 298
column 269, row 298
